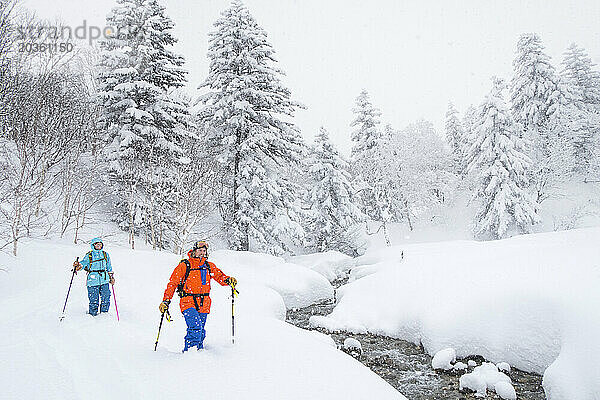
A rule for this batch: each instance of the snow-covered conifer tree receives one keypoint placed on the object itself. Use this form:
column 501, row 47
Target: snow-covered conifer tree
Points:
column 331, row 198
column 388, row 132
column 501, row 165
column 455, row 137
column 579, row 68
column 137, row 74
column 541, row 105
column 532, row 84
column 579, row 71
column 556, row 159
column 366, row 156
column 469, row 122
column 365, row 133
column 250, row 111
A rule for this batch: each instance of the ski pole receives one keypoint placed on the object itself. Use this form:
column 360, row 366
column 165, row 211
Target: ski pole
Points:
column 162, row 316
column 115, row 298
column 233, row 294
column 69, row 291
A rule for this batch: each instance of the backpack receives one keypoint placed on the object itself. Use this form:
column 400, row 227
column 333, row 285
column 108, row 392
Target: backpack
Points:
column 89, row 267
column 188, row 268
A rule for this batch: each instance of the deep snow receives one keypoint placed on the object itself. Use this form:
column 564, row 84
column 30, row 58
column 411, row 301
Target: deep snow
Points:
column 86, row 357
column 531, row 301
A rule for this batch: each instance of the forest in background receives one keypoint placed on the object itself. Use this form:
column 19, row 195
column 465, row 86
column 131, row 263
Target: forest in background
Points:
column 109, row 131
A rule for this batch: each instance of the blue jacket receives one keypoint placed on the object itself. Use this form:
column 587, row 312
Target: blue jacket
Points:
column 100, row 265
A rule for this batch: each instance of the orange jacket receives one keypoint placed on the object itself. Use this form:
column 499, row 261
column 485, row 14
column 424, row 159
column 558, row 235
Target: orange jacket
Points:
column 194, row 283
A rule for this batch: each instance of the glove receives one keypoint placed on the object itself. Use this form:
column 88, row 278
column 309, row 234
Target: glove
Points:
column 231, row 281
column 77, row 266
column 111, row 278
column 164, row 306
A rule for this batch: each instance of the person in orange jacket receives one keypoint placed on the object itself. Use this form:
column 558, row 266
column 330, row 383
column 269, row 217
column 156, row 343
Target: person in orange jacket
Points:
column 191, row 278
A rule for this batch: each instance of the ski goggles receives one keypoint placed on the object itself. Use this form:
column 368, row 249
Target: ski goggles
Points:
column 199, row 244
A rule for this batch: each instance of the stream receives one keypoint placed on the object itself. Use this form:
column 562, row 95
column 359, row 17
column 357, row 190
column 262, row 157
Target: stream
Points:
column 407, row 367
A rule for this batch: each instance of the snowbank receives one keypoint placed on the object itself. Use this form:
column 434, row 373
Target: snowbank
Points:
column 444, row 359
column 297, row 285
column 331, row 264
column 530, row 301
column 86, row 357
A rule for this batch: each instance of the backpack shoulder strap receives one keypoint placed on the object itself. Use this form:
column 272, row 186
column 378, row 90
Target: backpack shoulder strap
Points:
column 188, row 267
column 185, row 277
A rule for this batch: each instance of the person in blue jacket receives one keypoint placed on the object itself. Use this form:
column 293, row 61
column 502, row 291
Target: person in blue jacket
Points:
column 99, row 275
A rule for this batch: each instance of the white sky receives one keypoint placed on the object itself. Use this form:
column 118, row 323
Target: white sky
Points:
column 412, row 56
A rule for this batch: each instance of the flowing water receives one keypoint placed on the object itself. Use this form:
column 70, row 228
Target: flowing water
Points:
column 407, row 367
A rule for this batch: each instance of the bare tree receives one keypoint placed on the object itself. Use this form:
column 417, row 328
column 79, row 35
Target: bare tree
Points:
column 47, row 113
column 197, row 185
column 83, row 178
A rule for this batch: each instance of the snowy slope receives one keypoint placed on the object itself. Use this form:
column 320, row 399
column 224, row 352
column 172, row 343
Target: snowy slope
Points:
column 575, row 204
column 531, row 301
column 84, row 357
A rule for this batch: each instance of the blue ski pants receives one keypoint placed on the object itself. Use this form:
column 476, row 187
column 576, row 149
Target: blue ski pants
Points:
column 195, row 328
column 96, row 292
